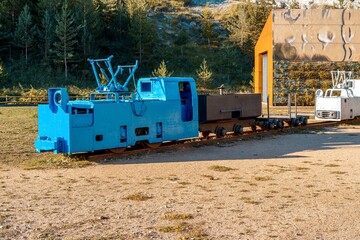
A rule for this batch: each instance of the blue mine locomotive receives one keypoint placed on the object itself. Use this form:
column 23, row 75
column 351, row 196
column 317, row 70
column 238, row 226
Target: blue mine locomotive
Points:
column 160, row 109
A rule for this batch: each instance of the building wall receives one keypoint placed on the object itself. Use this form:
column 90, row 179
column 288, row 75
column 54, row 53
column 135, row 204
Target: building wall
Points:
column 316, row 35
column 264, row 45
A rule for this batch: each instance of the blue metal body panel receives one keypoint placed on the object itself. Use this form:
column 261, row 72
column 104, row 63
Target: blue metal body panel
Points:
column 162, row 109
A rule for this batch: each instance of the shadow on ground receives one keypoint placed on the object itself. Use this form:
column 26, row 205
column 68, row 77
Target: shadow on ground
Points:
column 267, row 147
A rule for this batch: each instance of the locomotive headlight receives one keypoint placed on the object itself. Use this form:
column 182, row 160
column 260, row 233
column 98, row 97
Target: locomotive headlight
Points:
column 57, row 97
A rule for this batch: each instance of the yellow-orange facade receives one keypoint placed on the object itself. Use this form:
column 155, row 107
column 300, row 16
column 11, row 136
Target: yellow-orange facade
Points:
column 264, row 46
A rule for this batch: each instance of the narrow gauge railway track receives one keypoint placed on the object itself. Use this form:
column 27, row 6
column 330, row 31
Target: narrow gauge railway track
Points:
column 248, row 133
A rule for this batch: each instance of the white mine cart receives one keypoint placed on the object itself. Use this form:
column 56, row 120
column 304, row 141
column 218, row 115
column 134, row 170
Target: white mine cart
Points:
column 340, row 102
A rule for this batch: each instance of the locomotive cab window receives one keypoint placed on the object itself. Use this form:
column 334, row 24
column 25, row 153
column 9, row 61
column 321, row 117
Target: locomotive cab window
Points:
column 146, row 86
column 186, row 101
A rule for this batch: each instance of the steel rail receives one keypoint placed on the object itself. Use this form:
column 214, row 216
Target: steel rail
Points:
column 103, row 156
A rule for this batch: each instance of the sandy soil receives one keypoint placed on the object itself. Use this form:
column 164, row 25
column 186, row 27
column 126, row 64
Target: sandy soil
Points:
column 297, row 186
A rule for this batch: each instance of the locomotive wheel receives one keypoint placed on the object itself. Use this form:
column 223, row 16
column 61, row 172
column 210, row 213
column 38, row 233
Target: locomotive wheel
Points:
column 303, row 121
column 270, row 126
column 220, row 132
column 280, row 124
column 205, row 134
column 238, row 129
column 151, row 145
column 294, row 122
column 117, row 150
column 253, row 128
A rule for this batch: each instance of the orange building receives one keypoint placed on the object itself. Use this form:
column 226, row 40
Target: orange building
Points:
column 264, row 62
column 298, row 39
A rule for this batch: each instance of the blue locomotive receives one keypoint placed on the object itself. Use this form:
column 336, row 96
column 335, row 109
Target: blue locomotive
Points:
column 160, row 109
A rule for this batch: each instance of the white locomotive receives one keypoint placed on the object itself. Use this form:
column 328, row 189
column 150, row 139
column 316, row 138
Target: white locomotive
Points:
column 340, row 102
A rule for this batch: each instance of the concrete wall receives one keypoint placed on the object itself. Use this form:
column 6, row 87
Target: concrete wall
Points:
column 316, row 35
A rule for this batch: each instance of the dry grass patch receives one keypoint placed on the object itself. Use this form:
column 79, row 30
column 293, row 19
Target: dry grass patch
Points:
column 188, row 231
column 56, row 161
column 244, row 190
column 177, row 216
column 17, row 128
column 195, row 234
column 250, row 201
column 220, row 168
column 338, row 172
column 263, row 178
column 250, row 183
column 332, row 165
column 138, row 197
column 302, row 169
column 176, row 228
column 3, row 218
column 184, row 183
column 204, row 188
column 287, row 196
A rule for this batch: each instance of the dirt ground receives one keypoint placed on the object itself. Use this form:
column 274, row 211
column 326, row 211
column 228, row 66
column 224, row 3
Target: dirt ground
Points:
column 293, row 186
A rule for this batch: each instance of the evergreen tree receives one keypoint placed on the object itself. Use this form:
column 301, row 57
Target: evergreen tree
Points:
column 141, row 29
column 10, row 11
column 204, row 74
column 120, row 29
column 112, row 27
column 246, row 22
column 3, row 74
column 25, row 31
column 66, row 32
column 46, row 35
column 162, row 71
column 90, row 27
column 207, row 24
column 2, row 27
column 182, row 39
column 237, row 26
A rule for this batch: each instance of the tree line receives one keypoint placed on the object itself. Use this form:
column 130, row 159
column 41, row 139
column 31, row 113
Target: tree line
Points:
column 47, row 42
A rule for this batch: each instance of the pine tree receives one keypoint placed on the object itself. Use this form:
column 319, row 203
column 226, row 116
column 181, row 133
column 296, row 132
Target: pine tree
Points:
column 66, row 32
column 207, row 25
column 90, row 26
column 141, row 29
column 3, row 29
column 204, row 74
column 246, row 22
column 182, row 39
column 162, row 71
column 9, row 16
column 46, row 35
column 3, row 74
column 25, row 31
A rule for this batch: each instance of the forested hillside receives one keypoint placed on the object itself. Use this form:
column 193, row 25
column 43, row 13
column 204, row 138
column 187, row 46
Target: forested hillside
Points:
column 47, row 42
